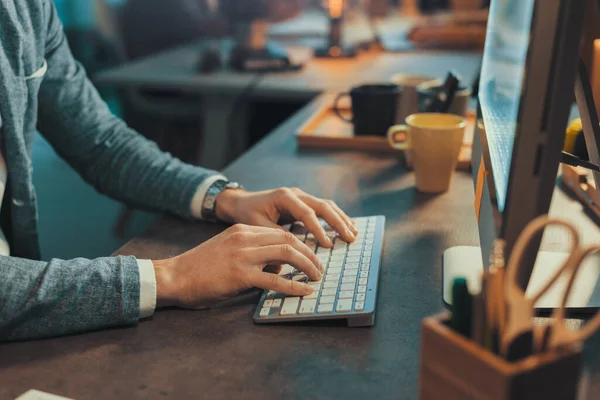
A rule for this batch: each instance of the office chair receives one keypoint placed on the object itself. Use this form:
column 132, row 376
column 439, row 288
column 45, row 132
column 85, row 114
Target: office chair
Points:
column 171, row 119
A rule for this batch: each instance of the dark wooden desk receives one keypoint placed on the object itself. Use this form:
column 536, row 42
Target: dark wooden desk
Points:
column 221, row 354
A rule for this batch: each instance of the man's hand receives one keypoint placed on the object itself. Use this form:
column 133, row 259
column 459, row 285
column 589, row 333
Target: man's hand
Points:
column 280, row 206
column 231, row 262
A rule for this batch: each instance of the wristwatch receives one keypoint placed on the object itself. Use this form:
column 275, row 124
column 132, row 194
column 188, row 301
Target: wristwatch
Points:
column 209, row 204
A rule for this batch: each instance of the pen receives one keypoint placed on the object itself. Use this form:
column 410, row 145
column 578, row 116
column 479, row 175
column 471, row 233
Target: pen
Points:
column 462, row 307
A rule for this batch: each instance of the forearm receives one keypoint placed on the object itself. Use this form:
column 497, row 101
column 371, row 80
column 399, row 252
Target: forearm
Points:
column 43, row 299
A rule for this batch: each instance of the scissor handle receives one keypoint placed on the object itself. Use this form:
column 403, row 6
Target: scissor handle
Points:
column 512, row 288
column 560, row 334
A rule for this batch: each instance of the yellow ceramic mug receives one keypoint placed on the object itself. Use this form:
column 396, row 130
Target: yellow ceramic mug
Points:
column 434, row 141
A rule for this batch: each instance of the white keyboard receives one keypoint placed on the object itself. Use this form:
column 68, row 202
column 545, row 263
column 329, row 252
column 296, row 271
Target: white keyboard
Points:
column 349, row 286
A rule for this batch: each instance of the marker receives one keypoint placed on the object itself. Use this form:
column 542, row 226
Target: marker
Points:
column 462, row 307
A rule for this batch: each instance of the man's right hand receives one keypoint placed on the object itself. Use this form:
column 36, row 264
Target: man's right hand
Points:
column 232, row 262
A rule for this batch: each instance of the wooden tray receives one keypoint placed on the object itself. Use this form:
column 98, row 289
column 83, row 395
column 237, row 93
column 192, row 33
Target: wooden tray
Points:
column 324, row 130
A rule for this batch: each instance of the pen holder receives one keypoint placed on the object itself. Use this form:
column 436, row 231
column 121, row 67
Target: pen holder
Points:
column 454, row 367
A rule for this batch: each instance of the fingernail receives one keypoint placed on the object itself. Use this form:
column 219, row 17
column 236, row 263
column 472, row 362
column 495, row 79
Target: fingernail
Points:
column 307, row 288
column 320, row 275
column 350, row 233
column 328, row 241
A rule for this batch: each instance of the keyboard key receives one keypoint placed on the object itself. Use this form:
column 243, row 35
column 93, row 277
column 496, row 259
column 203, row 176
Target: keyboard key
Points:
column 337, row 257
column 311, row 244
column 264, row 312
column 276, row 303
column 308, row 306
column 286, row 269
column 364, row 274
column 330, row 284
column 347, row 286
column 290, row 305
column 364, row 268
column 351, row 272
column 354, row 253
column 325, row 308
column 360, row 297
column 353, row 260
column 362, row 289
column 271, row 294
column 329, row 291
column 327, row 300
column 323, row 250
column 313, row 295
column 347, row 294
column 332, row 277
column 351, row 266
column 368, row 253
column 368, row 248
column 362, row 281
column 344, row 305
column 316, row 285
column 349, row 279
column 268, row 303
column 333, row 271
column 300, row 278
column 359, row 306
column 336, row 264
column 339, row 244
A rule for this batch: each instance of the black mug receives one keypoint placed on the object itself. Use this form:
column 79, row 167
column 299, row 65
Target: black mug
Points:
column 375, row 107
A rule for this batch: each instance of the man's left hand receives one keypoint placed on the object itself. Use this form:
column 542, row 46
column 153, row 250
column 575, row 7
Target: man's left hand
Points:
column 280, row 206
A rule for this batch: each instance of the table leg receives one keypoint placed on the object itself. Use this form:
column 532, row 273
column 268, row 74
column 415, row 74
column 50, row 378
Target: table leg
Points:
column 224, row 131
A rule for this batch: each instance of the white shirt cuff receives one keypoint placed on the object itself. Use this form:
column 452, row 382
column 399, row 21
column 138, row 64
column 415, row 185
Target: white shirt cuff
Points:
column 147, row 288
column 196, row 206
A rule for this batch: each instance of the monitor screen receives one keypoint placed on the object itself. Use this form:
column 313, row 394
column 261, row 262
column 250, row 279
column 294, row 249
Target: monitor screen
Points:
column 502, row 76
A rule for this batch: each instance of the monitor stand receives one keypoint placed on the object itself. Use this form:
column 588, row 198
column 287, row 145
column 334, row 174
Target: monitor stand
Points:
column 466, row 261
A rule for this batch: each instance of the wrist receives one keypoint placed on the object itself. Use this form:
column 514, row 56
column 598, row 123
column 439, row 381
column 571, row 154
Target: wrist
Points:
column 226, row 204
column 166, row 289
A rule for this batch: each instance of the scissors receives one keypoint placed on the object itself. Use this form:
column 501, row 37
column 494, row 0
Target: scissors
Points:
column 557, row 335
column 517, row 338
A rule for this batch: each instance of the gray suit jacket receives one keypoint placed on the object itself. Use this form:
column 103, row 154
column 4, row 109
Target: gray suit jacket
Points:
column 39, row 299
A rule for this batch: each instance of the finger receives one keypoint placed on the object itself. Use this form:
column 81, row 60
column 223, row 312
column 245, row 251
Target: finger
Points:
column 327, row 212
column 346, row 218
column 283, row 254
column 267, row 223
column 285, row 237
column 349, row 222
column 275, row 282
column 292, row 204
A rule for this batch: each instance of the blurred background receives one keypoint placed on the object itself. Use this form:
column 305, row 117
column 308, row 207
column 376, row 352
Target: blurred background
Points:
column 104, row 34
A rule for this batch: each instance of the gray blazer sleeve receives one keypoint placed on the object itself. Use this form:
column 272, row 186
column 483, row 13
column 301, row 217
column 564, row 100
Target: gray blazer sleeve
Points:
column 116, row 160
column 41, row 299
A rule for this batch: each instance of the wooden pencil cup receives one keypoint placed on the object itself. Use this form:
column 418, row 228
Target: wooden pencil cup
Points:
column 454, row 367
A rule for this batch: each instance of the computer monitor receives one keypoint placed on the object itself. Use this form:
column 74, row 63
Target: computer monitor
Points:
column 525, row 97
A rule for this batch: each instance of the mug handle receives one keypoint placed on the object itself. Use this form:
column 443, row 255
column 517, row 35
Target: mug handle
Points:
column 336, row 109
column 405, row 145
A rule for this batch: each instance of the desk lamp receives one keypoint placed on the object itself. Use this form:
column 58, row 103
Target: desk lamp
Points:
column 249, row 21
column 335, row 48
